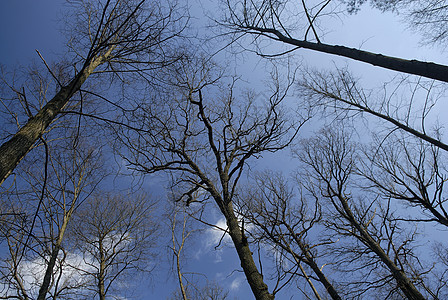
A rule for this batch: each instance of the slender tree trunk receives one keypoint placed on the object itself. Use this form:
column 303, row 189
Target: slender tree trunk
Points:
column 101, row 275
column 406, row 285
column 13, row 150
column 307, row 278
column 43, row 290
column 177, row 253
column 313, row 265
column 254, row 278
column 179, row 277
column 415, row 67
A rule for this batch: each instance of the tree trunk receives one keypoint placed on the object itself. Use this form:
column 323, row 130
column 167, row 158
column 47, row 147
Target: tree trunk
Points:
column 43, row 290
column 415, row 67
column 307, row 278
column 406, row 285
column 13, row 150
column 312, row 264
column 101, row 275
column 254, row 278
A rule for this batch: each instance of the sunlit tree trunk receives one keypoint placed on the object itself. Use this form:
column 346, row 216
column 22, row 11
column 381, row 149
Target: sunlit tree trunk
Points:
column 255, row 279
column 13, row 150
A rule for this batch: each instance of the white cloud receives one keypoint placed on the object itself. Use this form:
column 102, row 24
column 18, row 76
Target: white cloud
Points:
column 33, row 271
column 214, row 235
column 236, row 283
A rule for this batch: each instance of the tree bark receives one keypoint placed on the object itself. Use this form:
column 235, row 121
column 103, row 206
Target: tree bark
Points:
column 406, row 285
column 312, row 264
column 101, row 273
column 13, row 150
column 43, row 290
column 254, row 278
column 415, row 67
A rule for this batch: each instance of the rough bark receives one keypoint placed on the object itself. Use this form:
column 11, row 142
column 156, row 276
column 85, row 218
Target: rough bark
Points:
column 312, row 264
column 43, row 290
column 406, row 286
column 415, row 67
column 13, row 150
column 255, row 279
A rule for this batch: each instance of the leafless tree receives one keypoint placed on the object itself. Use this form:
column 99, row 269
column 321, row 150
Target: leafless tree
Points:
column 284, row 223
column 406, row 163
column 204, row 137
column 178, row 244
column 115, row 235
column 116, row 36
column 48, row 199
column 411, row 171
column 183, row 231
column 332, row 159
column 339, row 91
column 291, row 24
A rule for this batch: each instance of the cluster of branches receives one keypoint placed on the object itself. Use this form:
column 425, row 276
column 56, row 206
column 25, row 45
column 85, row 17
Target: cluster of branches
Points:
column 339, row 227
column 63, row 236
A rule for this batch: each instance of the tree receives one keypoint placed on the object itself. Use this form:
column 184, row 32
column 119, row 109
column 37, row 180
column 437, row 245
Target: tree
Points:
column 279, row 21
column 182, row 232
column 115, row 235
column 205, row 140
column 332, row 167
column 413, row 158
column 398, row 167
column 47, row 199
column 285, row 226
column 340, row 90
column 178, row 244
column 409, row 170
column 112, row 37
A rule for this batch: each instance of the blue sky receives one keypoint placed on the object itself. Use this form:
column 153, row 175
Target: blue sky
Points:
column 27, row 25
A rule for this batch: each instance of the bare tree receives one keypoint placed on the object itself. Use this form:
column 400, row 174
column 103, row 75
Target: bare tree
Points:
column 70, row 175
column 411, row 171
column 205, row 139
column 115, row 235
column 110, row 37
column 342, row 93
column 14, row 223
column 332, row 161
column 406, row 164
column 183, row 231
column 178, row 245
column 285, row 225
column 291, row 24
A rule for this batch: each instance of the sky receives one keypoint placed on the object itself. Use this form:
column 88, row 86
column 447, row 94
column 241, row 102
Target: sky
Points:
column 27, row 25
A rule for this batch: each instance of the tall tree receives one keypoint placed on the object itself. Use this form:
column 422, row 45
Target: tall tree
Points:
column 332, row 162
column 48, row 199
column 293, row 25
column 285, row 224
column 115, row 234
column 110, row 37
column 183, row 233
column 204, row 137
